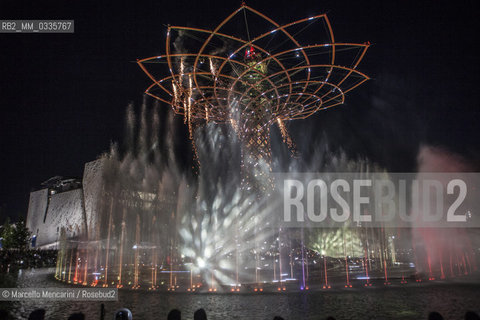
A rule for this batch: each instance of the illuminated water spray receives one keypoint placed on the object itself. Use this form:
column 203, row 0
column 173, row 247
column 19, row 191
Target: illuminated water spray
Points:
column 250, row 81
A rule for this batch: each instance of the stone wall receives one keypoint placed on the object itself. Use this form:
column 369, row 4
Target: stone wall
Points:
column 46, row 217
column 93, row 187
column 65, row 211
column 37, row 208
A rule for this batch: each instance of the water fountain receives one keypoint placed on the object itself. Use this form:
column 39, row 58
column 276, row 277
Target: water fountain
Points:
column 160, row 227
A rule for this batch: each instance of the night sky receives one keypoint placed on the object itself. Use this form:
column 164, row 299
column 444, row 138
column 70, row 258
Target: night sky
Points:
column 63, row 96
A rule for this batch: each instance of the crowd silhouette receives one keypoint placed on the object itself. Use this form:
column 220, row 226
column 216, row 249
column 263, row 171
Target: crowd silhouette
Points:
column 175, row 314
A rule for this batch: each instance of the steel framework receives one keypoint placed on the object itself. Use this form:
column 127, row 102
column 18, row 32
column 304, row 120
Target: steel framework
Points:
column 255, row 82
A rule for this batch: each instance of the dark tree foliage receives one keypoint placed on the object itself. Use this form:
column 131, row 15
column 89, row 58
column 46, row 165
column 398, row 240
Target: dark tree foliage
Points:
column 15, row 236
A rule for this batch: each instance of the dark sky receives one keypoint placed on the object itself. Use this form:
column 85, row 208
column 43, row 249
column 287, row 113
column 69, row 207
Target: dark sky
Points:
column 63, row 96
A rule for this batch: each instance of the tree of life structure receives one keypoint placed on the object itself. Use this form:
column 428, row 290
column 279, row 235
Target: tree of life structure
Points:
column 252, row 81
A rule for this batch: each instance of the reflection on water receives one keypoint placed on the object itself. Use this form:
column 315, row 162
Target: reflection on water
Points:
column 410, row 302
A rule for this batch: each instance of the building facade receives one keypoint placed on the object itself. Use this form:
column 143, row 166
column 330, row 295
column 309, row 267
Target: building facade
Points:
column 68, row 204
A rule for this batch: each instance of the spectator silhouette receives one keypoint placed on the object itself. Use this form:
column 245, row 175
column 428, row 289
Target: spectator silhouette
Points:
column 278, row 318
column 37, row 314
column 330, row 318
column 200, row 314
column 174, row 314
column 4, row 315
column 123, row 314
column 470, row 315
column 435, row 316
column 76, row 316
